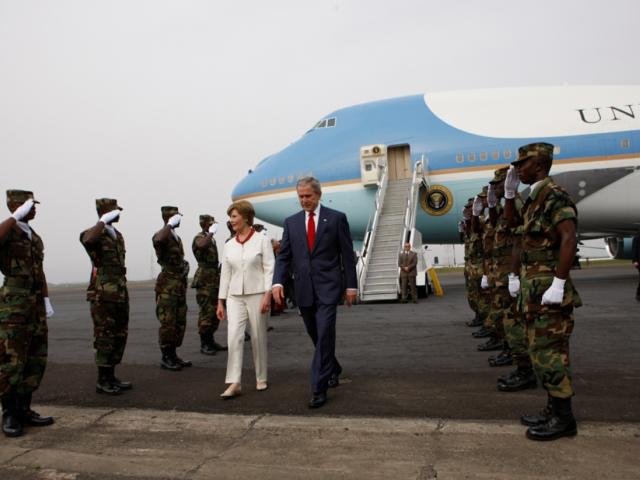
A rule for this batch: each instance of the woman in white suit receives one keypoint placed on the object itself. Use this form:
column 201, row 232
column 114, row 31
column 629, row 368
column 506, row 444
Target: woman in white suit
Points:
column 245, row 288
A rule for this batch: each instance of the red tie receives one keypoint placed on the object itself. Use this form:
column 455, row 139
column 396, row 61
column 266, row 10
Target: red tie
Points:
column 311, row 231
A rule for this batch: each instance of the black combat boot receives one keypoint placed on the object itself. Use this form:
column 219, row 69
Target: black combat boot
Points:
column 494, row 343
column 11, row 424
column 122, row 385
column 507, row 376
column 104, row 384
column 206, row 344
column 218, row 347
column 503, row 358
column 482, row 333
column 538, row 418
column 523, row 379
column 168, row 361
column 474, row 322
column 178, row 360
column 561, row 423
column 28, row 416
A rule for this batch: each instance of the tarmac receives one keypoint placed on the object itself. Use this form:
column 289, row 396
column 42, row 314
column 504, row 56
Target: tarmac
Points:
column 416, row 399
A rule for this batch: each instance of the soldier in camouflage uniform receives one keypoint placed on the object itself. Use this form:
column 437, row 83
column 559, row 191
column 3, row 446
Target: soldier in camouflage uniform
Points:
column 465, row 237
column 476, row 256
column 206, row 282
column 171, row 289
column 108, row 295
column 547, row 296
column 24, row 308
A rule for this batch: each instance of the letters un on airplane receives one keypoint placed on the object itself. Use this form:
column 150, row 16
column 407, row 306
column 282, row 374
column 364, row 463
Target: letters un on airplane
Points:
column 459, row 139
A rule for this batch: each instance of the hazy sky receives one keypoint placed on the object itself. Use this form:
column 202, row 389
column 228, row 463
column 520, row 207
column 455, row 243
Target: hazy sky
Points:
column 171, row 102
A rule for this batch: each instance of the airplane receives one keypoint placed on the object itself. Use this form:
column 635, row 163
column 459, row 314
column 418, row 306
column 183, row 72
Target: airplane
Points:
column 447, row 145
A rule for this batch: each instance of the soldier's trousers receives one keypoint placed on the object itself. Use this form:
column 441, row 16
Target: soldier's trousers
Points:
column 23, row 342
column 515, row 332
column 475, row 298
column 110, row 331
column 207, row 302
column 408, row 282
column 473, row 305
column 549, row 328
column 171, row 311
column 484, row 307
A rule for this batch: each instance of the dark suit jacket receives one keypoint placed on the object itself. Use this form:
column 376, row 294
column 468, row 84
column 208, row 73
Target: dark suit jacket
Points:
column 408, row 260
column 635, row 249
column 327, row 270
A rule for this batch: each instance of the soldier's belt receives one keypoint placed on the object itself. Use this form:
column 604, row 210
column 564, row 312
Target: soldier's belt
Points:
column 538, row 256
column 174, row 270
column 22, row 282
column 112, row 270
column 208, row 265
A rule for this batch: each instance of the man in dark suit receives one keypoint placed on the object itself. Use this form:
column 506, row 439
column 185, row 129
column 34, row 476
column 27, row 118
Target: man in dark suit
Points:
column 316, row 248
column 635, row 258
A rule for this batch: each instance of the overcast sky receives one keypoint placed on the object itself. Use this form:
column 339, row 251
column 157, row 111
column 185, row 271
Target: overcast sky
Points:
column 171, row 102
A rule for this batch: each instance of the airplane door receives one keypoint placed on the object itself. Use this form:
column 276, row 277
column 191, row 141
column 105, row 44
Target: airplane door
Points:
column 399, row 161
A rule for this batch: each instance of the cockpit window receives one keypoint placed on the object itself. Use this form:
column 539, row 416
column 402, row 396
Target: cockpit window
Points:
column 326, row 123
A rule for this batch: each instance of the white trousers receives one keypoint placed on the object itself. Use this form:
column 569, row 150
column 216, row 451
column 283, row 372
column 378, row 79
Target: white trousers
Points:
column 240, row 309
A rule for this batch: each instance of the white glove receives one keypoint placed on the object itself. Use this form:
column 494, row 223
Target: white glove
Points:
column 174, row 222
column 477, row 206
column 461, row 227
column 511, row 183
column 48, row 308
column 213, row 229
column 23, row 210
column 109, row 217
column 514, row 285
column 484, row 283
column 555, row 293
column 492, row 198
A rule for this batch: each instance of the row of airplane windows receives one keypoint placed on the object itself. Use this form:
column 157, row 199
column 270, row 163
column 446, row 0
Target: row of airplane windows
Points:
column 282, row 180
column 508, row 154
column 326, row 123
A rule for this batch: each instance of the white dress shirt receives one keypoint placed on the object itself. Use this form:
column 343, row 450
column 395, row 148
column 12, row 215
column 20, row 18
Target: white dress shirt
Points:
column 315, row 218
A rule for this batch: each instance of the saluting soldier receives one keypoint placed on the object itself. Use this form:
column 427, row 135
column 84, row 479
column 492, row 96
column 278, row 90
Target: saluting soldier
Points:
column 24, row 309
column 465, row 233
column 171, row 289
column 547, row 295
column 108, row 295
column 483, row 300
column 206, row 281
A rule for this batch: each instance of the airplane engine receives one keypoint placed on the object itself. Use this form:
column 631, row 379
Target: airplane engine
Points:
column 619, row 247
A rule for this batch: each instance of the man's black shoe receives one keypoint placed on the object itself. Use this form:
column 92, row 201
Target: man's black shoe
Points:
column 206, row 344
column 561, row 423
column 11, row 425
column 168, row 361
column 502, row 359
column 30, row 417
column 482, row 333
column 181, row 362
column 474, row 322
column 218, row 347
column 318, row 400
column 334, row 380
column 508, row 376
column 522, row 380
column 540, row 418
column 492, row 344
column 104, row 384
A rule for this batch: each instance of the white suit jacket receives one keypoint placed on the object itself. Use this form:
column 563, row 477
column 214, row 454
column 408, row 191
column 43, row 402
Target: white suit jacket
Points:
column 246, row 268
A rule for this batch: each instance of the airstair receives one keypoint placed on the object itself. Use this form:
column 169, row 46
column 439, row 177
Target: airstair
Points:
column 392, row 224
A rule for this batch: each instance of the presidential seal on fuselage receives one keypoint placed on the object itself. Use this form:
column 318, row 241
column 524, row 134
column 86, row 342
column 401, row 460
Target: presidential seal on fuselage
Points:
column 437, row 201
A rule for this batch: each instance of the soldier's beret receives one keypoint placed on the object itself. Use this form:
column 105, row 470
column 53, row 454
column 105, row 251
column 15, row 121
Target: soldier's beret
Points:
column 483, row 193
column 207, row 218
column 538, row 149
column 20, row 196
column 500, row 174
column 104, row 203
column 168, row 211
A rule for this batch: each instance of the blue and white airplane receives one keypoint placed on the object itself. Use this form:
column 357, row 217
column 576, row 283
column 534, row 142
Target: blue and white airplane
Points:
column 462, row 137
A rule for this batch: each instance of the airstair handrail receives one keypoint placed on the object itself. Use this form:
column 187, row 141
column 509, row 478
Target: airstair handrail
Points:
column 372, row 225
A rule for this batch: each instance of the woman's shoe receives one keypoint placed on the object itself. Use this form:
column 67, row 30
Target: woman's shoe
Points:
column 261, row 386
column 232, row 391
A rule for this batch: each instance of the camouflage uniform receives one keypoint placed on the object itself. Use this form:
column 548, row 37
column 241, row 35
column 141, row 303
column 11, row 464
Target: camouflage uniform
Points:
column 549, row 327
column 493, row 320
column 23, row 323
column 171, row 287
column 108, row 294
column 206, row 282
column 475, row 275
